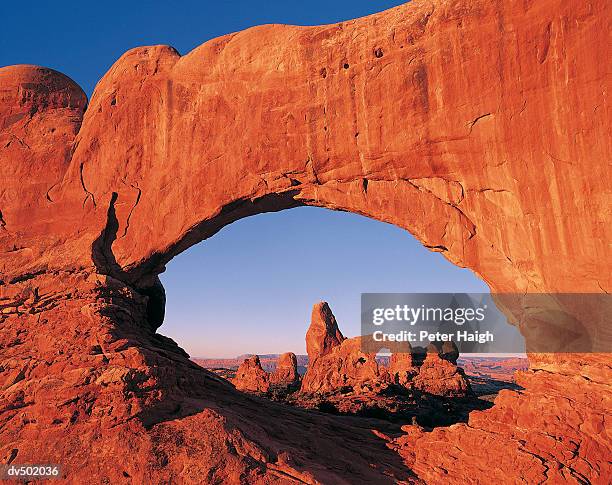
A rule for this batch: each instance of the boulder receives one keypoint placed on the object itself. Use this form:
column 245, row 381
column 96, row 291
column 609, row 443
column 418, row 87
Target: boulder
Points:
column 250, row 376
column 286, row 372
column 440, row 376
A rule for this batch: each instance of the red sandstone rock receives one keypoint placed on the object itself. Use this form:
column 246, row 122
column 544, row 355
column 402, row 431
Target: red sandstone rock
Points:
column 480, row 127
column 345, row 367
column 448, row 351
column 251, row 377
column 441, row 377
column 323, row 334
column 402, row 368
column 286, row 372
column 519, row 432
column 336, row 363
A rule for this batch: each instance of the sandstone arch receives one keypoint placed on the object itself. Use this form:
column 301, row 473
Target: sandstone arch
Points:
column 429, row 116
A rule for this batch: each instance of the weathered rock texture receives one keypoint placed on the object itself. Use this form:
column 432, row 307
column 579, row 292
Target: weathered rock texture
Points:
column 480, row 127
column 286, row 372
column 439, row 375
column 323, row 333
column 433, row 370
column 402, row 368
column 343, row 366
column 251, row 377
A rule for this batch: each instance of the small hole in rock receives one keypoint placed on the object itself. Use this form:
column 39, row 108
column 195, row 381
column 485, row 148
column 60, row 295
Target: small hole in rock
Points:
column 346, row 65
column 378, row 53
column 323, row 73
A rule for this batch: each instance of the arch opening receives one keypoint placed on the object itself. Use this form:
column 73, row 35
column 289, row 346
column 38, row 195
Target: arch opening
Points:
column 300, row 256
column 248, row 289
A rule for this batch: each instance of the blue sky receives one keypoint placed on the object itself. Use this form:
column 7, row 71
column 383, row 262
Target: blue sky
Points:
column 83, row 39
column 251, row 287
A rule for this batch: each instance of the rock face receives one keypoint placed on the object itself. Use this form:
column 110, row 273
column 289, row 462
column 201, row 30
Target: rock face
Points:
column 335, row 363
column 323, row 334
column 481, row 127
column 529, row 452
column 344, row 367
column 402, row 368
column 439, row 374
column 286, row 372
column 251, row 377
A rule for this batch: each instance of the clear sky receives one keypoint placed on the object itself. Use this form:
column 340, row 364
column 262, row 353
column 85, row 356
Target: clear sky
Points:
column 83, row 39
column 250, row 288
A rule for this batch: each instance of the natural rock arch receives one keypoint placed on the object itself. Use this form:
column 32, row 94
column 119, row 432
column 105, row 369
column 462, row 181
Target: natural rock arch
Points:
column 191, row 143
column 478, row 127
